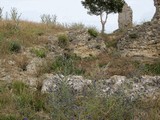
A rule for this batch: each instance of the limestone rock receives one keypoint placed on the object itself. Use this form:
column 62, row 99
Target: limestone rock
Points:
column 157, row 14
column 125, row 17
column 51, row 81
column 143, row 40
column 34, row 65
column 84, row 45
column 132, row 88
column 80, row 43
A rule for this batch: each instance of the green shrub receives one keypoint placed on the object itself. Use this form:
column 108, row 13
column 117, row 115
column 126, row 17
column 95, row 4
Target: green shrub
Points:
column 39, row 32
column 8, row 117
column 66, row 65
column 63, row 40
column 26, row 99
column 19, row 87
column 133, row 35
column 39, row 52
column 9, row 46
column 62, row 101
column 1, row 37
column 18, row 101
column 39, row 103
column 68, row 105
column 153, row 68
column 14, row 46
column 93, row 32
column 112, row 43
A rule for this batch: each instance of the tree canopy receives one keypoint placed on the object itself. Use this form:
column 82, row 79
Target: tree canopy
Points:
column 100, row 7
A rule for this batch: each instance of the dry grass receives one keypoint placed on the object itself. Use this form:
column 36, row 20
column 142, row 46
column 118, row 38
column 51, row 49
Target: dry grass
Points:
column 17, row 101
column 64, row 104
column 148, row 109
column 105, row 65
column 21, row 61
column 27, row 34
column 25, row 102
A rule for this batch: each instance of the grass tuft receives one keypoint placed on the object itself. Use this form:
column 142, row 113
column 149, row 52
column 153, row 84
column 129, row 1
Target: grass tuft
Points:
column 63, row 41
column 41, row 53
column 93, row 32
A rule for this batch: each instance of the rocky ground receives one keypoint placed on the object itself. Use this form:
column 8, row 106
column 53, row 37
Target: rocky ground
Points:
column 96, row 56
column 52, row 70
column 44, row 57
column 133, row 88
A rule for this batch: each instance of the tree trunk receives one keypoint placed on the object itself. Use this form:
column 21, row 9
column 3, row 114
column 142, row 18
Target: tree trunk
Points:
column 103, row 28
column 103, row 22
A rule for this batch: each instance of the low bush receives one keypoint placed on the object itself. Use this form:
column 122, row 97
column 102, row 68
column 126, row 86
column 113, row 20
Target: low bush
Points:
column 14, row 46
column 66, row 65
column 9, row 46
column 93, row 32
column 67, row 105
column 21, row 102
column 153, row 68
column 39, row 52
column 63, row 40
column 133, row 35
column 19, row 87
column 8, row 117
column 1, row 37
column 111, row 43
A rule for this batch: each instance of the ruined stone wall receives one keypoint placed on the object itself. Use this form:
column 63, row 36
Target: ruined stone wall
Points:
column 125, row 17
column 157, row 14
column 143, row 40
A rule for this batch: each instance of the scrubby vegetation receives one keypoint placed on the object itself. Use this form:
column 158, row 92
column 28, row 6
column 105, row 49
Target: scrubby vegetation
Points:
column 49, row 19
column 39, row 52
column 153, row 68
column 93, row 32
column 14, row 46
column 133, row 35
column 66, row 65
column 19, row 100
column 65, row 105
column 63, row 40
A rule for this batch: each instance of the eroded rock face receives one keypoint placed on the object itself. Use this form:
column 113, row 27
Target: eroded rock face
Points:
column 157, row 3
column 125, row 17
column 84, row 45
column 143, row 40
column 157, row 14
column 34, row 65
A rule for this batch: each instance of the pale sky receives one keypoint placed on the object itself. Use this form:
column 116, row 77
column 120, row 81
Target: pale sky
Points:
column 72, row 11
